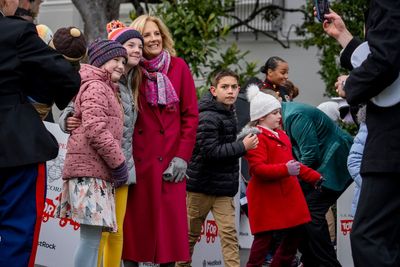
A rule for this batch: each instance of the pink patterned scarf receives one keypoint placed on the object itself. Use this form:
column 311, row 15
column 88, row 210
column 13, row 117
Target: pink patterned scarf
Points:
column 159, row 89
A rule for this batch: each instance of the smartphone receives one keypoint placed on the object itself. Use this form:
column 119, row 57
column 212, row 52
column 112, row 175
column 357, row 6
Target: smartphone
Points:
column 322, row 7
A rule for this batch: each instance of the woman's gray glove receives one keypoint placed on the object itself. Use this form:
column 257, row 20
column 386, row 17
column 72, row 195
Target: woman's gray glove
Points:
column 120, row 175
column 176, row 170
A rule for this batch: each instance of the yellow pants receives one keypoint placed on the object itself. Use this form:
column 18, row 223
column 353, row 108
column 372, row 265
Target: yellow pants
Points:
column 110, row 249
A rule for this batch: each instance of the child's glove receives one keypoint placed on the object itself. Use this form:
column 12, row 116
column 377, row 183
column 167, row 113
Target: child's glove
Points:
column 120, row 175
column 176, row 170
column 293, row 167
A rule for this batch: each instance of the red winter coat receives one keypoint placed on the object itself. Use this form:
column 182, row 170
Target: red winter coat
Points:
column 155, row 226
column 275, row 199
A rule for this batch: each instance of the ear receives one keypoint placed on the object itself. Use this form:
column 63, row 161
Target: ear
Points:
column 213, row 90
column 262, row 118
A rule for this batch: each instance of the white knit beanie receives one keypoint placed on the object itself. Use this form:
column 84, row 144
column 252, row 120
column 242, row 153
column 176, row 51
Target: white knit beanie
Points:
column 261, row 104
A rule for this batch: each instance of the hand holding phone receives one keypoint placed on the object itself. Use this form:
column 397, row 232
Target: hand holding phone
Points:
column 322, row 7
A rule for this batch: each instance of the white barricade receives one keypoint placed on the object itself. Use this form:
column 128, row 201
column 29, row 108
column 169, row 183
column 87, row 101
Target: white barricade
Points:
column 344, row 222
column 58, row 238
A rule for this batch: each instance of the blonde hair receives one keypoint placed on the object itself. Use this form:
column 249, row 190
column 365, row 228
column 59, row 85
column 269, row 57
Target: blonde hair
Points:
column 253, row 123
column 135, row 84
column 168, row 42
column 270, row 92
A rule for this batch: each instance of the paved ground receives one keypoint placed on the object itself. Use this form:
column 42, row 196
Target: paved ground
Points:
column 244, row 255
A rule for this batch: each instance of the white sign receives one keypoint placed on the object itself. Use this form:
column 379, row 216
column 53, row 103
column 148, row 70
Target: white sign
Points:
column 344, row 223
column 245, row 236
column 59, row 238
column 207, row 251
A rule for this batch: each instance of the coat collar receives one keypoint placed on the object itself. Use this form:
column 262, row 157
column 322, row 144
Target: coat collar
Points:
column 267, row 84
column 90, row 72
column 1, row 14
column 271, row 135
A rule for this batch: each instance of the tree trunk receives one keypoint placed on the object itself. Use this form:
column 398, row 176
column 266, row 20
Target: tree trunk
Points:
column 95, row 15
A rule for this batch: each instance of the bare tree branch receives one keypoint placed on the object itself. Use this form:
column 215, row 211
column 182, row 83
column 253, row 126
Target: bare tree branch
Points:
column 257, row 11
column 138, row 7
column 99, row 13
column 266, row 33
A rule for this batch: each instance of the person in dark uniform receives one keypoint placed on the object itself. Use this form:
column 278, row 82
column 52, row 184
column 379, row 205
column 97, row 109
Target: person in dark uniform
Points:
column 29, row 10
column 375, row 234
column 25, row 144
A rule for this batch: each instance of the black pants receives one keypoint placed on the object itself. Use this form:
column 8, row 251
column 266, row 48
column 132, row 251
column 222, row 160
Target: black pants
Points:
column 285, row 253
column 317, row 249
column 375, row 237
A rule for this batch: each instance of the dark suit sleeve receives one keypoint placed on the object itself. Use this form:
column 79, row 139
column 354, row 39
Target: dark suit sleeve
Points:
column 62, row 80
column 345, row 57
column 382, row 66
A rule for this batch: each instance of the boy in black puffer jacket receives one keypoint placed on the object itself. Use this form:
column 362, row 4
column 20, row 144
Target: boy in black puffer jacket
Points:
column 213, row 172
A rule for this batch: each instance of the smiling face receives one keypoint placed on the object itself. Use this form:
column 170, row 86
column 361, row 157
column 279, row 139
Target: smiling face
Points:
column 115, row 67
column 279, row 75
column 272, row 120
column 226, row 91
column 153, row 41
column 134, row 48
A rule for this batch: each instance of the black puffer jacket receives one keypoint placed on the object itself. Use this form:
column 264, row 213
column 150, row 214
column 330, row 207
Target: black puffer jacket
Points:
column 214, row 167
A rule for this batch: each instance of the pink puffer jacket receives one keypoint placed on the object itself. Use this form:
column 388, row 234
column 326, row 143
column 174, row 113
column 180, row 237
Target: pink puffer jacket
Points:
column 94, row 148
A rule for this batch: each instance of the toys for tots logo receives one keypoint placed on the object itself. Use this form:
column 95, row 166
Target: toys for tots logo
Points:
column 210, row 230
column 345, row 226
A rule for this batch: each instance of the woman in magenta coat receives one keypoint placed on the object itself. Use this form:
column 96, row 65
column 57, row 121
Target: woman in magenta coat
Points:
column 155, row 227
